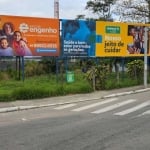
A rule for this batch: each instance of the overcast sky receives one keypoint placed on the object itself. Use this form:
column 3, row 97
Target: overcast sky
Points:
column 68, row 9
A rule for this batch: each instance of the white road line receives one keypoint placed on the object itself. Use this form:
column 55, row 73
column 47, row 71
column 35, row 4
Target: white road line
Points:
column 144, row 113
column 127, row 111
column 105, row 109
column 95, row 104
column 65, row 106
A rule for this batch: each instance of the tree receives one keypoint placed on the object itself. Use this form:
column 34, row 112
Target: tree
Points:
column 102, row 8
column 80, row 16
column 133, row 10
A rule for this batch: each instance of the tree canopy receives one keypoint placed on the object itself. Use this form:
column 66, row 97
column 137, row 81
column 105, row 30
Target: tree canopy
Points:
column 120, row 10
column 101, row 7
column 133, row 10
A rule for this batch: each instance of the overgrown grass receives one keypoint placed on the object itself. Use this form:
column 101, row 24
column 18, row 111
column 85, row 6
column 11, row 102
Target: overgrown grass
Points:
column 41, row 87
column 52, row 85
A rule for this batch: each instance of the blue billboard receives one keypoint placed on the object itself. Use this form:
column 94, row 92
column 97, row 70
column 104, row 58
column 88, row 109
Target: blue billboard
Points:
column 78, row 38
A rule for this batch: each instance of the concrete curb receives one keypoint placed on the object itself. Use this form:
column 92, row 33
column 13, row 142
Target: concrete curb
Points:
column 126, row 93
column 20, row 108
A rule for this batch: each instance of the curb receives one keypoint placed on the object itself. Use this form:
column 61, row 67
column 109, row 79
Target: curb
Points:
column 127, row 93
column 20, row 108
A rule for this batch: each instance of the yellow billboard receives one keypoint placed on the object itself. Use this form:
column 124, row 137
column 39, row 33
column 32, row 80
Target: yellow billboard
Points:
column 29, row 36
column 120, row 39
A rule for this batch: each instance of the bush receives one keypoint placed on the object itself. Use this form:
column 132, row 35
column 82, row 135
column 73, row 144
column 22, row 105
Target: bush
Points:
column 33, row 68
column 135, row 69
column 4, row 76
column 99, row 75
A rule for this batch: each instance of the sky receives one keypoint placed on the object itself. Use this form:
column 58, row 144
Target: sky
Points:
column 68, row 9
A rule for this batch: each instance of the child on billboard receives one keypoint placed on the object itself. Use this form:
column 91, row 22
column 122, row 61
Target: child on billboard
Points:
column 5, row 49
column 20, row 46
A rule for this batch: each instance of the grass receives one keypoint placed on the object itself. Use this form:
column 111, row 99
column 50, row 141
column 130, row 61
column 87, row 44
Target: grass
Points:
column 41, row 87
column 122, row 82
column 52, row 85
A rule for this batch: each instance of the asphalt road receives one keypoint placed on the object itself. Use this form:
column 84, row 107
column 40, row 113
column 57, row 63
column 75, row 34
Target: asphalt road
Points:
column 119, row 123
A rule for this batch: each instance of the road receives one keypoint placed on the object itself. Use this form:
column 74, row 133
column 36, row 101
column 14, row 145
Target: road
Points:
column 119, row 123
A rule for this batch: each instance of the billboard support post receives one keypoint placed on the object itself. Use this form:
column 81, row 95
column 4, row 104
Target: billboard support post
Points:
column 145, row 58
column 22, row 68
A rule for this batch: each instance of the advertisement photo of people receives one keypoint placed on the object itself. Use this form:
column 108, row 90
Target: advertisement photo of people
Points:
column 137, row 33
column 12, row 42
column 79, row 37
column 29, row 36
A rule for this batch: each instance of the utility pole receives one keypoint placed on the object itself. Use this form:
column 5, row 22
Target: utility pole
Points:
column 56, row 8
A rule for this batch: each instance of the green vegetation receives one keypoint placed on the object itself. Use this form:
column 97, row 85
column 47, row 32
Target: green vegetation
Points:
column 41, row 87
column 41, row 83
column 135, row 70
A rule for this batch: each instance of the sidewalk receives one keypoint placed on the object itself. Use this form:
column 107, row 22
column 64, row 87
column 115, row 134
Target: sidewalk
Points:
column 30, row 104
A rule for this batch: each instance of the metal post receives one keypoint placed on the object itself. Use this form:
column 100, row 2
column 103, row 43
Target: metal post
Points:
column 23, row 68
column 145, row 57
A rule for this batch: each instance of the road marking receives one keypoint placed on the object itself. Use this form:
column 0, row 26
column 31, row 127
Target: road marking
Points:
column 127, row 111
column 23, row 119
column 105, row 109
column 95, row 104
column 64, row 106
column 144, row 113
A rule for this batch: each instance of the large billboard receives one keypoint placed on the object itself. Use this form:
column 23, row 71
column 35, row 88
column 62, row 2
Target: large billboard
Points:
column 121, row 39
column 78, row 37
column 29, row 36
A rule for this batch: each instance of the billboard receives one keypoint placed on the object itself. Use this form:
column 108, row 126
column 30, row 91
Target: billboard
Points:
column 78, row 37
column 29, row 36
column 121, row 39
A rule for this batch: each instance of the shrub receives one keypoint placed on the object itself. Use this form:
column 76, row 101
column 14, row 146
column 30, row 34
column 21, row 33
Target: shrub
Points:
column 135, row 69
column 98, row 75
column 4, row 75
column 33, row 68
